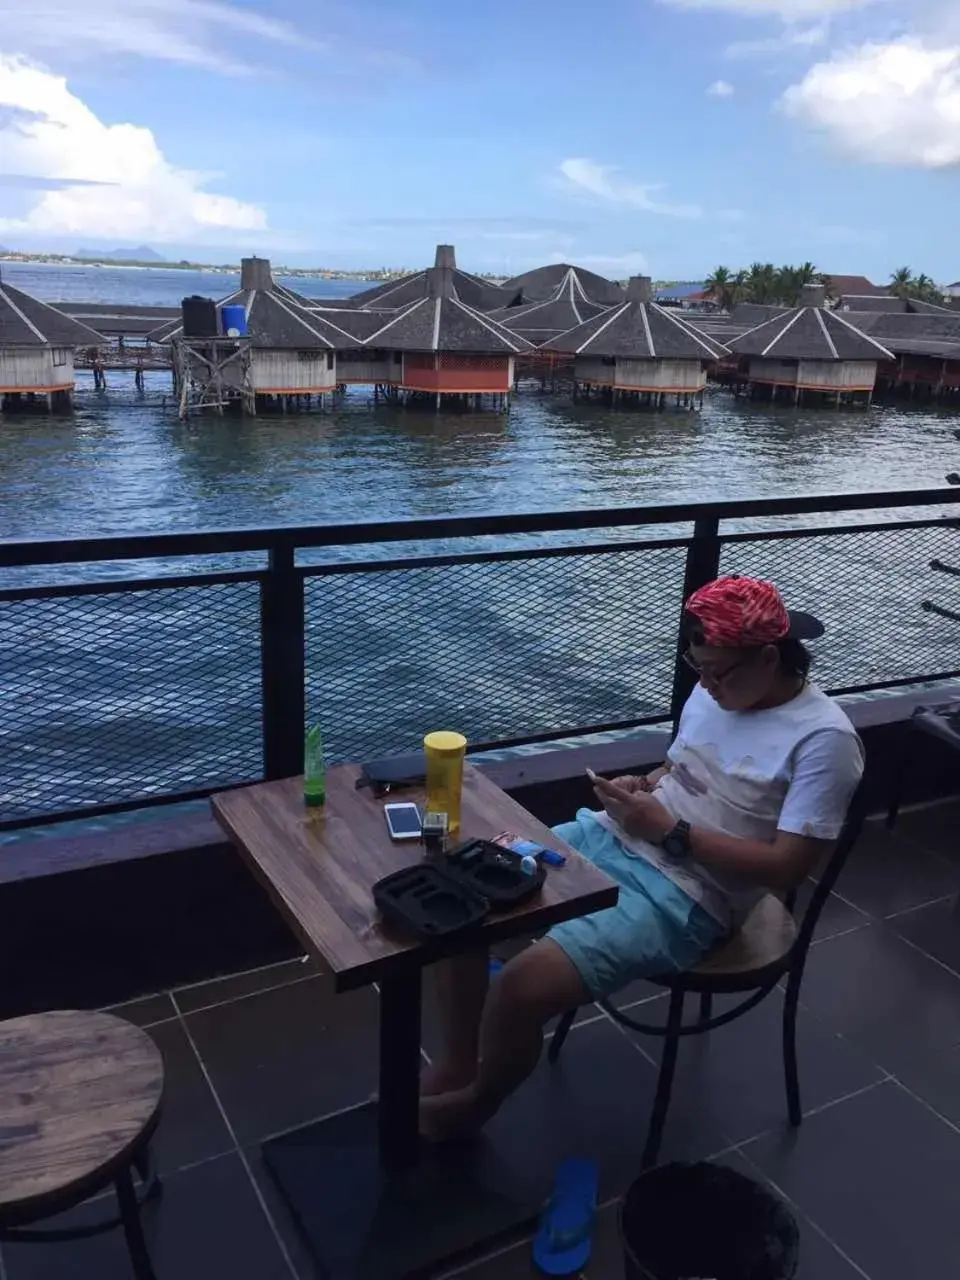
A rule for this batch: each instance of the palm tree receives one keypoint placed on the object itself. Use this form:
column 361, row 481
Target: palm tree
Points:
column 792, row 280
column 720, row 284
column 740, row 286
column 924, row 288
column 762, row 285
column 901, row 282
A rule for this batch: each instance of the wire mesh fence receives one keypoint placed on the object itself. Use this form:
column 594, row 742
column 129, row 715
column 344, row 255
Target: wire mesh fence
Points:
column 501, row 650
column 115, row 695
column 867, row 587
column 120, row 696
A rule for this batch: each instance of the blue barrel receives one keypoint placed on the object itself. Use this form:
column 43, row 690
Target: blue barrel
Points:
column 233, row 318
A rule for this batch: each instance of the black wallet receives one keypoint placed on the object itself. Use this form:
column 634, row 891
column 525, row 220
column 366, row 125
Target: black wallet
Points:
column 393, row 772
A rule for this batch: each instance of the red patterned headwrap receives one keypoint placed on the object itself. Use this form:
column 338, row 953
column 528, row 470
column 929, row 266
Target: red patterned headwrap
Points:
column 737, row 612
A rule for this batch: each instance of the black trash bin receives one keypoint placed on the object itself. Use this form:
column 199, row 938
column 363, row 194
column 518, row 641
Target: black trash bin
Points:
column 706, row 1222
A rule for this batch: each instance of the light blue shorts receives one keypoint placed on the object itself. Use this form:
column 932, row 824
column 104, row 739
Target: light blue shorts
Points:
column 654, row 928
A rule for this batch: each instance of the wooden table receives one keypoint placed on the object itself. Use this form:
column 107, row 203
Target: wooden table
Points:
column 320, row 869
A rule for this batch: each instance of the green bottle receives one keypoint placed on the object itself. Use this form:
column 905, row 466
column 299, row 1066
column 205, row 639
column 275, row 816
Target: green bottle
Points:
column 314, row 770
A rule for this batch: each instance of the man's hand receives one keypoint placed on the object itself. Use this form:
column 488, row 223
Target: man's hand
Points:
column 637, row 812
column 632, row 784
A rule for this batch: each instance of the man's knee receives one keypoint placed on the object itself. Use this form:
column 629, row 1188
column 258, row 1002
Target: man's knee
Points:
column 540, row 983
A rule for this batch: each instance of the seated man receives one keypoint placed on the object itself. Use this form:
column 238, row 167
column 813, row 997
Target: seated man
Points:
column 754, row 792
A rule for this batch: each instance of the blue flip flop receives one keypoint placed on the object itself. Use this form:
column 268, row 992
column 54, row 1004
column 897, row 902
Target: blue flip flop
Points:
column 564, row 1238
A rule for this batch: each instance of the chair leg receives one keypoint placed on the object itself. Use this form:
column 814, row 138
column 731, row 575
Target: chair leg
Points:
column 902, row 778
column 561, row 1033
column 668, row 1064
column 133, row 1227
column 790, row 1071
column 146, row 1168
column 706, row 1006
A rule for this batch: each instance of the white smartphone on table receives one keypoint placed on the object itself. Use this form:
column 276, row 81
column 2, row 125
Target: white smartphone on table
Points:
column 403, row 821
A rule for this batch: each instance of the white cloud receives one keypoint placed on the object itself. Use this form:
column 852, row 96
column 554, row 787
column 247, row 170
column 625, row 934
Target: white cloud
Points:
column 789, row 10
column 586, row 177
column 49, row 134
column 197, row 33
column 721, row 89
column 894, row 103
column 793, row 36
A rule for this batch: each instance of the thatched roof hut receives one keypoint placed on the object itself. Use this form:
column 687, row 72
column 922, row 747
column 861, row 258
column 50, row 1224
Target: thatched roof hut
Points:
column 37, row 345
column 810, row 348
column 25, row 321
column 281, row 349
column 809, row 332
column 447, row 347
column 273, row 318
column 640, row 347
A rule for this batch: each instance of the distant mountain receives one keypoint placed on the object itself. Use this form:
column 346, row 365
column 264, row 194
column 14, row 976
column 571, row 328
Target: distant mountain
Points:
column 143, row 253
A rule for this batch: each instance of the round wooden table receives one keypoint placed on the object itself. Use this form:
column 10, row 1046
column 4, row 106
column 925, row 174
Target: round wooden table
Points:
column 79, row 1102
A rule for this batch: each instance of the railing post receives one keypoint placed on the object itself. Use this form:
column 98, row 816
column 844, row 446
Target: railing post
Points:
column 282, row 665
column 703, row 565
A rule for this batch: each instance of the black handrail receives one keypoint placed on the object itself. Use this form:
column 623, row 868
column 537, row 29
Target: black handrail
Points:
column 45, row 551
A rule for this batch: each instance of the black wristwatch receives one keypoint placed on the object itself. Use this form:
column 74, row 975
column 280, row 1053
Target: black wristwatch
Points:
column 676, row 843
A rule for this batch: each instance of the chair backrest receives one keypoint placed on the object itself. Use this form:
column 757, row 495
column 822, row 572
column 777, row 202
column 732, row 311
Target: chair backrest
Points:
column 852, row 827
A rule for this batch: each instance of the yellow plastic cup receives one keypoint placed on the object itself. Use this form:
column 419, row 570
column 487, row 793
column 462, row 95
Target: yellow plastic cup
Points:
column 445, row 752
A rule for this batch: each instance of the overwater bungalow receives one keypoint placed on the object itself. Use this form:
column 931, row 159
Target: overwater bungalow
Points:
column 439, row 346
column 808, row 351
column 638, row 349
column 37, row 348
column 925, row 344
column 257, row 345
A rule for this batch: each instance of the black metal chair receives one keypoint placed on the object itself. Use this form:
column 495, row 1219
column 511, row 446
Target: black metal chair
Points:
column 772, row 944
column 941, row 721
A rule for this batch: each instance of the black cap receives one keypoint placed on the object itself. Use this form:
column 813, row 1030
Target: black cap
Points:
column 804, row 626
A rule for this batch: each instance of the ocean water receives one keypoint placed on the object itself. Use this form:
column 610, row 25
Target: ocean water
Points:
column 148, row 287
column 114, row 697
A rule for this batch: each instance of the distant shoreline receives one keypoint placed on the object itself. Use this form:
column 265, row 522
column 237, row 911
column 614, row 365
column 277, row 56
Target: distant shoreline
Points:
column 116, row 264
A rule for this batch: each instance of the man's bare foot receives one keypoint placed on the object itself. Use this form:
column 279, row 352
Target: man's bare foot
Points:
column 442, row 1077
column 445, row 1117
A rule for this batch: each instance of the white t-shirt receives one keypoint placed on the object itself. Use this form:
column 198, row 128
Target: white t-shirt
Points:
column 751, row 774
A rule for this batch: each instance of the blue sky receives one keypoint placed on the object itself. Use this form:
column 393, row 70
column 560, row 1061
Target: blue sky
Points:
column 658, row 135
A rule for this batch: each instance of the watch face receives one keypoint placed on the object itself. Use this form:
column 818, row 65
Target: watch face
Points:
column 677, row 843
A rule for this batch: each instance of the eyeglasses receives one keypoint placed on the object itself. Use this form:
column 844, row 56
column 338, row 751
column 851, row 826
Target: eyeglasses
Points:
column 716, row 677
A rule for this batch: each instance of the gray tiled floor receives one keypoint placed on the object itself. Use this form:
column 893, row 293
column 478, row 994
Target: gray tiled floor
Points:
column 871, row 1174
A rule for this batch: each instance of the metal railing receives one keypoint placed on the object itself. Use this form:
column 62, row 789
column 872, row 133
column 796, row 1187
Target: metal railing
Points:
column 148, row 689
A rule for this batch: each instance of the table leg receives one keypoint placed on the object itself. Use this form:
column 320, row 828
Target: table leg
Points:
column 375, row 1203
column 400, row 1010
